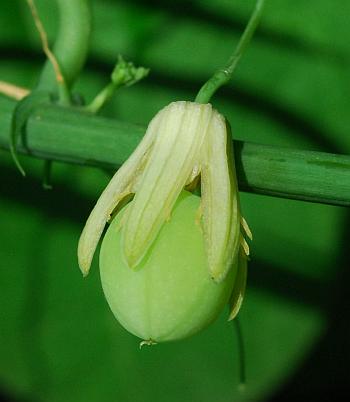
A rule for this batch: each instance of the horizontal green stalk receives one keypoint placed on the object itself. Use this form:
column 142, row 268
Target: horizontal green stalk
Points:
column 64, row 134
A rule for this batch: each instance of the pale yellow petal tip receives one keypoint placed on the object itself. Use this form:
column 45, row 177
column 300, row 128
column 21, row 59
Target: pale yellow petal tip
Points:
column 85, row 272
column 219, row 268
column 218, row 274
column 246, row 228
column 84, row 266
column 245, row 246
column 84, row 258
column 235, row 309
column 217, row 279
column 131, row 259
column 148, row 342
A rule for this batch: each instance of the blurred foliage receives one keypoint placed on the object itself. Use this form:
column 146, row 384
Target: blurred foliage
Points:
column 58, row 339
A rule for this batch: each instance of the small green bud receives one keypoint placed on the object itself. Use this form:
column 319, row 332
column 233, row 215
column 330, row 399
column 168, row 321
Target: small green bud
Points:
column 126, row 74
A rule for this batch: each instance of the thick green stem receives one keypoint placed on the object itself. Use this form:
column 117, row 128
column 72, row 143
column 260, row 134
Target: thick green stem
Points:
column 71, row 43
column 63, row 64
column 223, row 75
column 62, row 134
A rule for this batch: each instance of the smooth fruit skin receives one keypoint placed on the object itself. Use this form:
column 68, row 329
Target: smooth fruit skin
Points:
column 170, row 295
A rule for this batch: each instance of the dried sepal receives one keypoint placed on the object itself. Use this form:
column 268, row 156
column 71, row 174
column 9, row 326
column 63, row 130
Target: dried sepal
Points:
column 123, row 183
column 238, row 291
column 246, row 228
column 182, row 131
column 221, row 218
column 245, row 246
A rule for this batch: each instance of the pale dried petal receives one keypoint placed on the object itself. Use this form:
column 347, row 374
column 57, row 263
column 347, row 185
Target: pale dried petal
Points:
column 122, row 184
column 246, row 228
column 181, row 133
column 221, row 217
column 245, row 246
column 237, row 295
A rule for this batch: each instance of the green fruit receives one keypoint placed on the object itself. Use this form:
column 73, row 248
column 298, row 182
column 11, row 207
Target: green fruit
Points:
column 170, row 295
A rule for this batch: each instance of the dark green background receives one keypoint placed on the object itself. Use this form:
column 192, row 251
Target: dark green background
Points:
column 58, row 340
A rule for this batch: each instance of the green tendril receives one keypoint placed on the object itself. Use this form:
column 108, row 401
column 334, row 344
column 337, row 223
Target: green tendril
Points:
column 223, row 75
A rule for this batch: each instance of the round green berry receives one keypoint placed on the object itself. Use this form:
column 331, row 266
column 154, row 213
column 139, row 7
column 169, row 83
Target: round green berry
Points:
column 170, row 295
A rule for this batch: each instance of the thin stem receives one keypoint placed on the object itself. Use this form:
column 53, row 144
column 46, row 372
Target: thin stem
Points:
column 63, row 92
column 45, row 42
column 241, row 353
column 223, row 75
column 71, row 43
column 101, row 98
